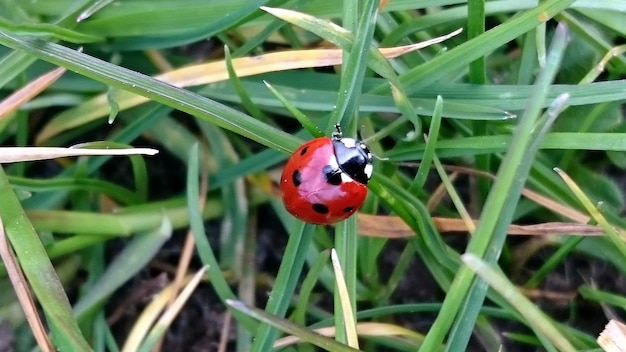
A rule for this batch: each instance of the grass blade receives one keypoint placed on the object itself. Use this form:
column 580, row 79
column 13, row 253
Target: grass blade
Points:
column 462, row 310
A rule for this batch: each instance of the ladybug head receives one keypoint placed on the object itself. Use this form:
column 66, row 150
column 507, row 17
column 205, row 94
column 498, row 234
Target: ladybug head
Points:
column 354, row 158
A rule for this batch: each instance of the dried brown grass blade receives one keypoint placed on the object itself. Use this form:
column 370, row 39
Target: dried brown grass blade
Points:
column 29, row 91
column 394, row 227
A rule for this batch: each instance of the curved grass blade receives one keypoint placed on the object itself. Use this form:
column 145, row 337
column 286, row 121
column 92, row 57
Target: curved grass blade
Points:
column 290, row 328
column 429, row 148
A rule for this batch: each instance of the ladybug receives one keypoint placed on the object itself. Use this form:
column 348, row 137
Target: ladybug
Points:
column 324, row 180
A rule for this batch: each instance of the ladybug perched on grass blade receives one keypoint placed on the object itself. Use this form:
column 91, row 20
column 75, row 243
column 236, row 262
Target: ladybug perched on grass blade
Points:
column 324, row 180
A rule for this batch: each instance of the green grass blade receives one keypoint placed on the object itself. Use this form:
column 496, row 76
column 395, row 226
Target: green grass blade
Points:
column 462, row 308
column 434, row 70
column 354, row 64
column 535, row 318
column 205, row 251
column 290, row 328
column 346, row 245
column 135, row 82
column 39, row 271
column 429, row 149
column 285, row 284
column 136, row 254
column 46, row 30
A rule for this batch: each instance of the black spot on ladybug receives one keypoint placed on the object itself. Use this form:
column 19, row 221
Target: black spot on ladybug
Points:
column 296, row 177
column 332, row 175
column 320, row 208
column 304, row 150
column 348, row 209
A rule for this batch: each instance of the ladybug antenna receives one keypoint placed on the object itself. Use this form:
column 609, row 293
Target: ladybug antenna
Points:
column 379, row 158
column 369, row 139
column 337, row 134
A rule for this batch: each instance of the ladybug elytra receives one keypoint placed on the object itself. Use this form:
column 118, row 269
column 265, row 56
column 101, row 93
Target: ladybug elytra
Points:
column 324, row 180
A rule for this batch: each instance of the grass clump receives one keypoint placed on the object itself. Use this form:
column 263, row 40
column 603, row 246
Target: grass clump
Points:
column 468, row 128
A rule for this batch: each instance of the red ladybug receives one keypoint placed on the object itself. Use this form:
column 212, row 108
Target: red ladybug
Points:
column 324, row 180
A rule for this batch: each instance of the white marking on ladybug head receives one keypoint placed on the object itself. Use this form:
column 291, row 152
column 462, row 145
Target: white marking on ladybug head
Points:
column 332, row 161
column 348, row 142
column 345, row 178
column 368, row 169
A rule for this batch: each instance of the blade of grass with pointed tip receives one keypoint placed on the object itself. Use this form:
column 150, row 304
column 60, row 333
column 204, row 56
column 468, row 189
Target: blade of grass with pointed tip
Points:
column 344, row 311
column 18, row 98
column 429, row 149
column 346, row 244
column 589, row 292
column 308, row 125
column 618, row 240
column 234, row 79
column 535, row 318
column 205, row 251
column 464, row 102
column 201, row 74
column 462, row 305
column 454, row 197
column 16, row 154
